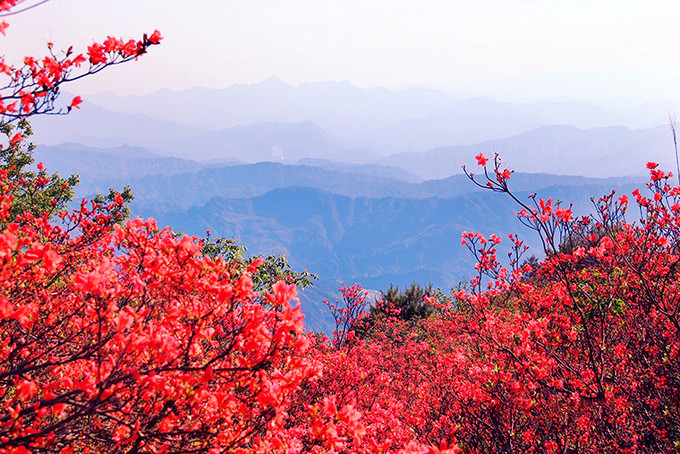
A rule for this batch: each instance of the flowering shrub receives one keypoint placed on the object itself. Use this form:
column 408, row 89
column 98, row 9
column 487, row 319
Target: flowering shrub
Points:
column 579, row 354
column 120, row 337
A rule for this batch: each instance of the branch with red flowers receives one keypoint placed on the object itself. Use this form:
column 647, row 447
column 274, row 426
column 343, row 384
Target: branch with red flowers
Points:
column 32, row 88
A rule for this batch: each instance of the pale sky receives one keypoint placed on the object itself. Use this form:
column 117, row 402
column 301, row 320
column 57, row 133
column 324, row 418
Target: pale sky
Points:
column 618, row 47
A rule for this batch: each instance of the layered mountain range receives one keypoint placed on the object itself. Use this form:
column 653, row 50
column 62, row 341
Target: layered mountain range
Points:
column 354, row 185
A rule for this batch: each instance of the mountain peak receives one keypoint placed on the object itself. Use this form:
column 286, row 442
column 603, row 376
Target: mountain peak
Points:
column 273, row 82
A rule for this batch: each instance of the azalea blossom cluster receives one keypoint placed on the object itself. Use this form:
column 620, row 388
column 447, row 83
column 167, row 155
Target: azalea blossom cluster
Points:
column 125, row 338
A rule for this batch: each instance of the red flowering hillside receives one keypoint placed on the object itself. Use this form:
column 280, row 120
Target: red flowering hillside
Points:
column 577, row 355
column 118, row 337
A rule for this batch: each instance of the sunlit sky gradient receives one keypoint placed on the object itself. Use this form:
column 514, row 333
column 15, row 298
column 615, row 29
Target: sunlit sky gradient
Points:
column 584, row 49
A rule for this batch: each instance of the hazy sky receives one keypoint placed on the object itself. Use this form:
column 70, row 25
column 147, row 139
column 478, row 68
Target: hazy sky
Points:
column 579, row 48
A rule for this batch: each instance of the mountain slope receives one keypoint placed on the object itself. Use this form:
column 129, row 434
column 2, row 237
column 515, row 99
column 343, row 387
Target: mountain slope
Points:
column 278, row 142
column 596, row 152
column 374, row 241
column 100, row 127
column 121, row 163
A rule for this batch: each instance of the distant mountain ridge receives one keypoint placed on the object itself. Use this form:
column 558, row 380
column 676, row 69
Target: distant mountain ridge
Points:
column 477, row 120
column 375, row 241
column 384, row 121
column 555, row 149
column 270, row 141
column 164, row 181
column 347, row 223
column 100, row 127
column 116, row 163
column 339, row 108
column 430, row 132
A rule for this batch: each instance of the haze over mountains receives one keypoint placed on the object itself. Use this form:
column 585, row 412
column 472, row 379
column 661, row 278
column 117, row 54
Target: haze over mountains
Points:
column 355, row 185
column 275, row 121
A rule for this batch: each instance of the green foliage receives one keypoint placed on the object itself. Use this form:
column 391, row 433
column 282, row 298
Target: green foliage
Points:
column 272, row 269
column 41, row 193
column 409, row 304
column 121, row 211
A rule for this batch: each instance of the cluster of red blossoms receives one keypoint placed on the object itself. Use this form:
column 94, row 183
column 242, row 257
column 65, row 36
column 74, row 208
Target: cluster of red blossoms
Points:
column 123, row 337
column 579, row 353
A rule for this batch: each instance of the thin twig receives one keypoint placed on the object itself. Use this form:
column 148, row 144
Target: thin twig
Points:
column 673, row 122
column 12, row 13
